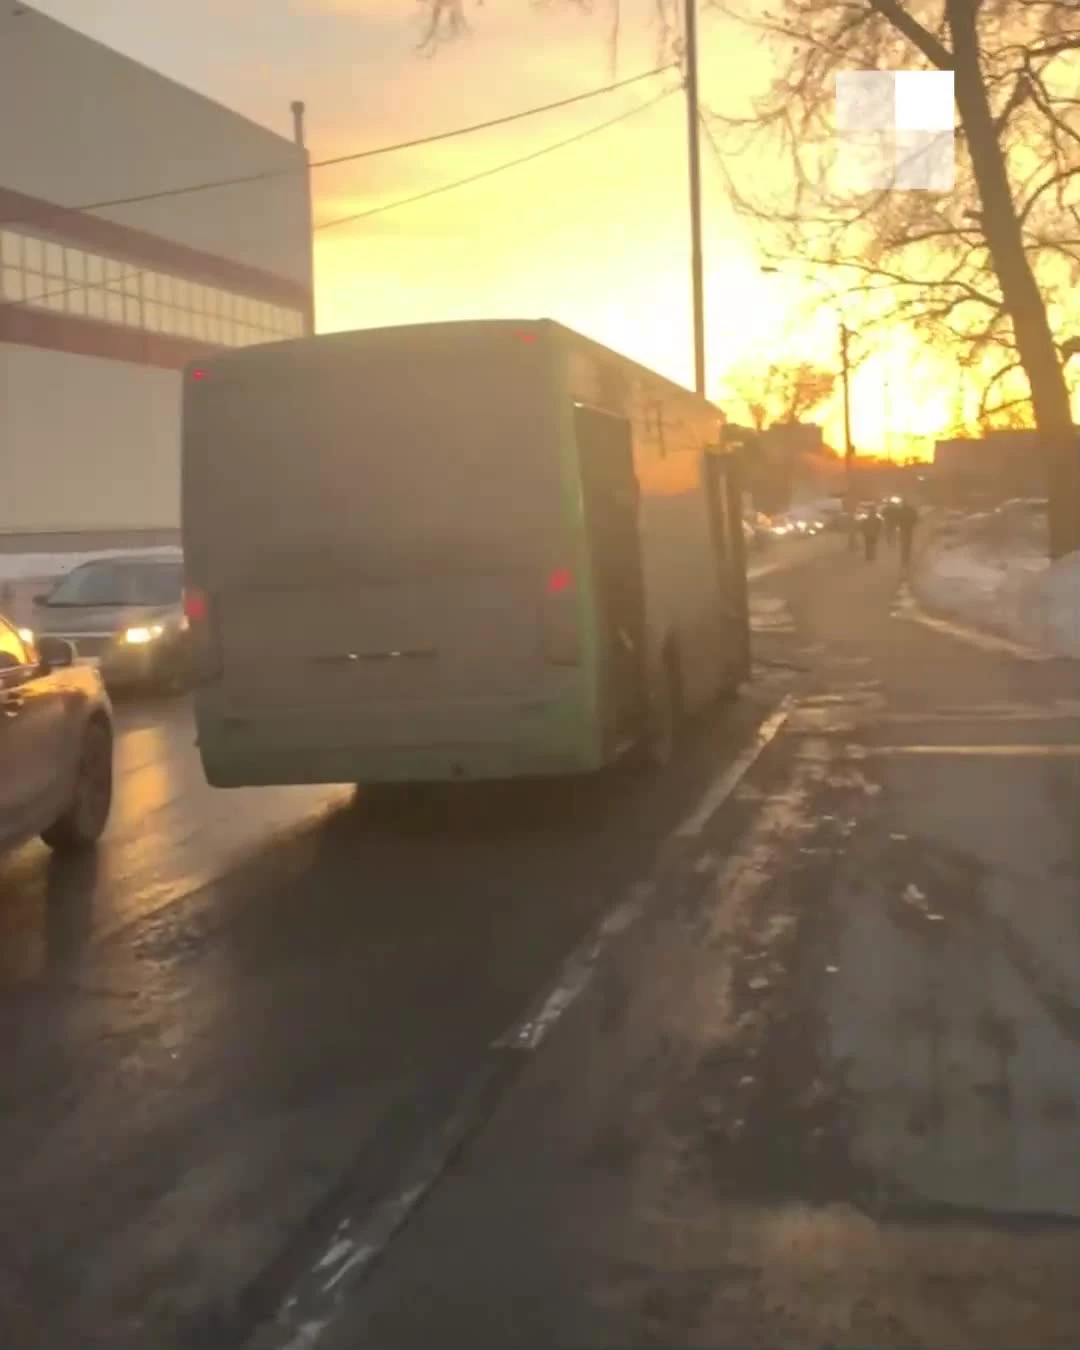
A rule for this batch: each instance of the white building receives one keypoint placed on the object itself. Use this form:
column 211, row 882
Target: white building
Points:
column 102, row 305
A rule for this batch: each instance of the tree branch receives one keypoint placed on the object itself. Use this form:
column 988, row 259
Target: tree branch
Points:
column 904, row 22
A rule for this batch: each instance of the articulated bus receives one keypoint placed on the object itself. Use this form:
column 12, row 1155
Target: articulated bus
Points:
column 476, row 550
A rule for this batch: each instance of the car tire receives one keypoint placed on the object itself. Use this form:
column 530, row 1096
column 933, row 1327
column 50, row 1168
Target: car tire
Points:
column 171, row 677
column 87, row 813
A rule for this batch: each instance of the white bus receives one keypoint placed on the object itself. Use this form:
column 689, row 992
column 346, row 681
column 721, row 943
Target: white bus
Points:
column 452, row 551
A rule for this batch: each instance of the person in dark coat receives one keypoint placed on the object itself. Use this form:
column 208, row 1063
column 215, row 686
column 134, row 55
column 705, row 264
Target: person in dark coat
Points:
column 891, row 518
column 871, row 533
column 907, row 518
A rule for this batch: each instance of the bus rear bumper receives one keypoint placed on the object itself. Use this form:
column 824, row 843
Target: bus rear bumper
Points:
column 416, row 764
column 248, row 752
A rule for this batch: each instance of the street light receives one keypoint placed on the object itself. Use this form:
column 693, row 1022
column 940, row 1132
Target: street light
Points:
column 849, row 447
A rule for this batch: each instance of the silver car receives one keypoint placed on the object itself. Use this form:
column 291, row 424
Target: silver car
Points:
column 56, row 744
column 124, row 615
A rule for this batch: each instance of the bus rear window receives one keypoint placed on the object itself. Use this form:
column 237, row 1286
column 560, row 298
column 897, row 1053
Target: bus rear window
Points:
column 388, row 462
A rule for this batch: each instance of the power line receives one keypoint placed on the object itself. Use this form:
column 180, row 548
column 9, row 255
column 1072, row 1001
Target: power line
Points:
column 209, row 185
column 401, row 202
column 496, row 169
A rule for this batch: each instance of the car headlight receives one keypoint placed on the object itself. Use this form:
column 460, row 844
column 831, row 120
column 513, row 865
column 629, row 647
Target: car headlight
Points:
column 138, row 637
column 27, row 636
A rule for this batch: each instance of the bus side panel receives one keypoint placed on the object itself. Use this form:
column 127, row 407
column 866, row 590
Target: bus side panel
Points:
column 691, row 579
column 682, row 581
column 593, row 747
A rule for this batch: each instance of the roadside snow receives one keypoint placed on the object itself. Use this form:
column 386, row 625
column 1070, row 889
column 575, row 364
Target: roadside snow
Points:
column 1017, row 593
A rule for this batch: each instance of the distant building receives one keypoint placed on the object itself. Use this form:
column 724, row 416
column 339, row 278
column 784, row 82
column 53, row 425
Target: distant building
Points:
column 786, row 440
column 991, row 468
column 777, row 460
column 101, row 306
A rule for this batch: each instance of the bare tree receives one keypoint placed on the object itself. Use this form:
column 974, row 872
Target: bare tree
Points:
column 780, row 392
column 985, row 271
column 982, row 270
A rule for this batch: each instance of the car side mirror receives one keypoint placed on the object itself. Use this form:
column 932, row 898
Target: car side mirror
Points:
column 55, row 653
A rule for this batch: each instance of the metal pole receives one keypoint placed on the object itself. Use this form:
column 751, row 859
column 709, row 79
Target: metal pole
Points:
column 693, row 132
column 299, row 109
column 849, row 449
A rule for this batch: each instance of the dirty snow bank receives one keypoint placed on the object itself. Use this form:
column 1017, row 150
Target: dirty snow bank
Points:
column 1016, row 593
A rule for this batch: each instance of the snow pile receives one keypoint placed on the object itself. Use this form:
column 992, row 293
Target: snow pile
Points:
column 1016, row 593
column 1047, row 609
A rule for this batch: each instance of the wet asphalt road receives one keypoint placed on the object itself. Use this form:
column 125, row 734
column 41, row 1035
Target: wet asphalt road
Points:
column 826, row 1090
column 823, row 1091
column 253, row 1005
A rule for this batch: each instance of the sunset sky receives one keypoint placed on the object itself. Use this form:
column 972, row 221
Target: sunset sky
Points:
column 595, row 236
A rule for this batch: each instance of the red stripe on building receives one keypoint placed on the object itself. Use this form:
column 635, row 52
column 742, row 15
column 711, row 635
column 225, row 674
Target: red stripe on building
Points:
column 91, row 337
column 150, row 250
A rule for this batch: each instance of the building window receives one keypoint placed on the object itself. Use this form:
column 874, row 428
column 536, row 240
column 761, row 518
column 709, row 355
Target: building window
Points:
column 48, row 274
column 11, row 283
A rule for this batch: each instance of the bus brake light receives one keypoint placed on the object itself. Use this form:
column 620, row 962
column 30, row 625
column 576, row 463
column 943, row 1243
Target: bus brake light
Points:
column 195, row 606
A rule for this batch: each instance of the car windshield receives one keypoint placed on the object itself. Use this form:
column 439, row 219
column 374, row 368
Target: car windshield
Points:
column 120, row 583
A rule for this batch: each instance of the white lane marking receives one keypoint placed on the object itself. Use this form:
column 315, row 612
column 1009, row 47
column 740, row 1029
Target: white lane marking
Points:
column 575, row 973
column 908, row 608
column 578, row 969
column 719, row 791
column 987, row 642
column 1032, row 751
column 347, row 1255
column 337, row 1250
column 302, row 1329
column 307, row 1336
column 977, row 713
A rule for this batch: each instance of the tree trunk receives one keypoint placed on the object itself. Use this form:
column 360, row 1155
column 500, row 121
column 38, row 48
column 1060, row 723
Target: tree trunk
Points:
column 1035, row 345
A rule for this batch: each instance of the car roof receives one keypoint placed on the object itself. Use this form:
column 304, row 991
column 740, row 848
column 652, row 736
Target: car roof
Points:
column 149, row 557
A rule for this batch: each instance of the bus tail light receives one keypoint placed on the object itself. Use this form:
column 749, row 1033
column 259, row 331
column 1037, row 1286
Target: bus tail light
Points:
column 561, row 624
column 196, row 606
column 205, row 643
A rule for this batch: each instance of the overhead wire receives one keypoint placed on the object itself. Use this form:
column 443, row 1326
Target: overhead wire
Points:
column 208, row 185
column 491, row 172
column 496, row 168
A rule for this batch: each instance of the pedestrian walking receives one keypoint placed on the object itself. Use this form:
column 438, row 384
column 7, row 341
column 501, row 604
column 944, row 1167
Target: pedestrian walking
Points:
column 891, row 518
column 907, row 519
column 871, row 533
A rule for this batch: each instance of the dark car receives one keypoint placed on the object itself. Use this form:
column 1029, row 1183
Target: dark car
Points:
column 56, row 744
column 125, row 615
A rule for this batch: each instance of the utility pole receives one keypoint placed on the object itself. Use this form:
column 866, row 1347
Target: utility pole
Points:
column 886, row 411
column 693, row 137
column 849, row 449
column 298, row 109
